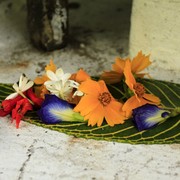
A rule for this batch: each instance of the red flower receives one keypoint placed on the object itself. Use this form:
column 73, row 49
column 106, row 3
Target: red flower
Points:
column 31, row 95
column 22, row 106
column 8, row 105
column 3, row 113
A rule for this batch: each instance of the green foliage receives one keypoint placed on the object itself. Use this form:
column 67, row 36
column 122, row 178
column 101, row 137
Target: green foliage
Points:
column 166, row 132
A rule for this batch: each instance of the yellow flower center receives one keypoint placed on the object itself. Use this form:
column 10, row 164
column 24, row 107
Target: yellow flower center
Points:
column 104, row 98
column 139, row 89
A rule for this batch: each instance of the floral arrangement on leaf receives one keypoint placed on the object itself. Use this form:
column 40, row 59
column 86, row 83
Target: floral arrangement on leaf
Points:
column 63, row 97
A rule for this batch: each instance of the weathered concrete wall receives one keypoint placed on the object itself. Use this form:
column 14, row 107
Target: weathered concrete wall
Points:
column 155, row 28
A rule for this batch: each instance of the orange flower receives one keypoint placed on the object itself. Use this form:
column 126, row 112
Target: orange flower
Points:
column 41, row 90
column 139, row 63
column 97, row 104
column 140, row 97
column 116, row 74
column 80, row 76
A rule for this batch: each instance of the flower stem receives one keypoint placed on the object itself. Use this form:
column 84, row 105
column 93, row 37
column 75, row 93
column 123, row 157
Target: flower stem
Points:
column 175, row 112
column 21, row 93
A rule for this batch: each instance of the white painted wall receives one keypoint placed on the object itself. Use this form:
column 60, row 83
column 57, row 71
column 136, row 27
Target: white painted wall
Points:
column 155, row 29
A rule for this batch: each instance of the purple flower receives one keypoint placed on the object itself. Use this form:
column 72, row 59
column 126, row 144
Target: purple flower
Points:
column 147, row 116
column 55, row 110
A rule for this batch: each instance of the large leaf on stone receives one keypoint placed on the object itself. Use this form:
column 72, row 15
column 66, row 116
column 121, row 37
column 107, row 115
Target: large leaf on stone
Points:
column 165, row 133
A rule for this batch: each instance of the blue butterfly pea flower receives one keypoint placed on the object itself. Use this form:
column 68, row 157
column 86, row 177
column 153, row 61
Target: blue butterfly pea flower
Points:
column 148, row 116
column 55, row 110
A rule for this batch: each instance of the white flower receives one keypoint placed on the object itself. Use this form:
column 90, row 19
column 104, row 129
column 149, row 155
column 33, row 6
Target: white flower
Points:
column 59, row 88
column 76, row 85
column 60, row 85
column 23, row 85
column 58, row 75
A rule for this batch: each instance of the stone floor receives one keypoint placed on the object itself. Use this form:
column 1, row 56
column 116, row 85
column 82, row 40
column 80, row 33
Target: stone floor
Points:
column 99, row 32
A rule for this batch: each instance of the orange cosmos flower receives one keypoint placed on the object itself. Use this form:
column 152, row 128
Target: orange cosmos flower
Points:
column 116, row 74
column 41, row 90
column 139, row 63
column 97, row 104
column 80, row 76
column 140, row 97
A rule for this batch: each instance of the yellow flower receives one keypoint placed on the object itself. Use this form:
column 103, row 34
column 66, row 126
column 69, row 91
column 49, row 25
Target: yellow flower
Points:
column 41, row 90
column 140, row 96
column 97, row 104
column 139, row 63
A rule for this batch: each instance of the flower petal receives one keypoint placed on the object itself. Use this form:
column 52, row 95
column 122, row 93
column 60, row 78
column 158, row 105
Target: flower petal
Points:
column 55, row 110
column 113, row 116
column 96, row 116
column 119, row 65
column 4, row 113
column 51, row 75
column 59, row 73
column 22, row 106
column 147, row 116
column 9, row 104
column 140, row 62
column 152, row 99
column 131, row 104
column 103, row 86
column 28, row 86
column 12, row 96
column 41, row 80
column 81, row 76
column 25, row 83
column 51, row 66
column 130, row 80
column 111, row 77
column 86, row 105
column 37, row 101
column 66, row 77
column 21, row 80
column 16, row 87
column 90, row 87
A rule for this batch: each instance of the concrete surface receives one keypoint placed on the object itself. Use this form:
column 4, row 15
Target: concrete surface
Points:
column 155, row 28
column 98, row 33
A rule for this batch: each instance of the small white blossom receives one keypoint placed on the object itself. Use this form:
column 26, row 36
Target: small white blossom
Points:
column 23, row 85
column 58, row 75
column 76, row 85
column 60, row 85
column 59, row 88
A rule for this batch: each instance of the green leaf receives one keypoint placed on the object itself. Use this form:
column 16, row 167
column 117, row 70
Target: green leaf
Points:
column 166, row 132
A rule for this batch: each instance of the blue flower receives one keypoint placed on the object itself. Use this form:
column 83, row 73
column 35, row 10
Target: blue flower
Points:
column 54, row 110
column 147, row 116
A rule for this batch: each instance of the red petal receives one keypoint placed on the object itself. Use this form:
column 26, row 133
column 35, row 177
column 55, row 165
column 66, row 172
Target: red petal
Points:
column 9, row 104
column 37, row 101
column 20, row 110
column 4, row 113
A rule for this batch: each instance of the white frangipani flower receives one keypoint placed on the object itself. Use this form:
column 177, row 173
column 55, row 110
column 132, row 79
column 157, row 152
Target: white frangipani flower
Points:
column 23, row 85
